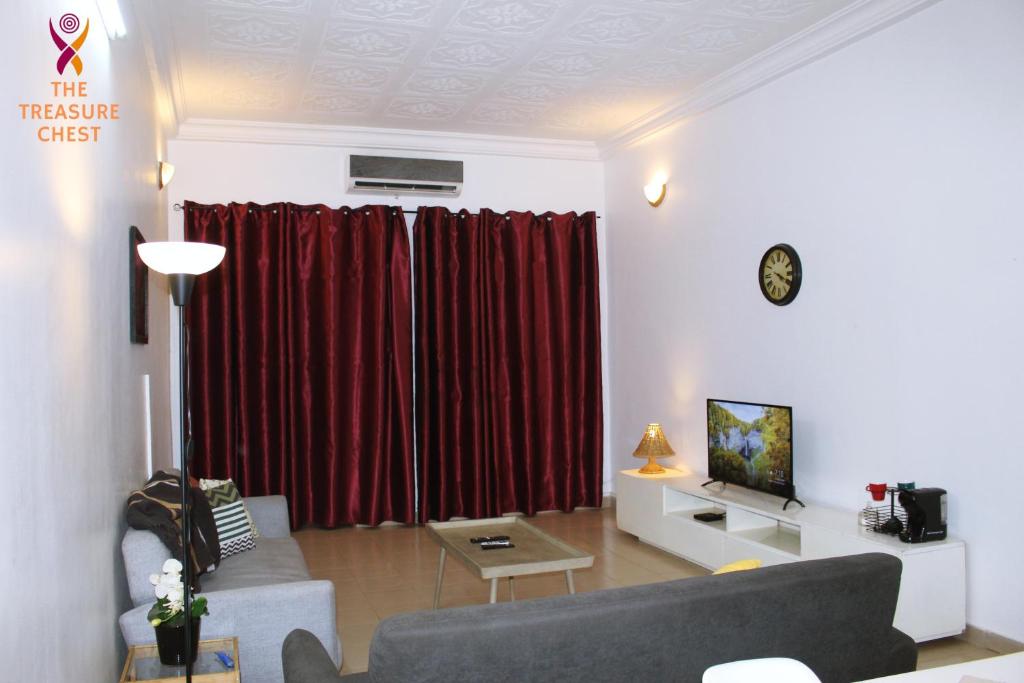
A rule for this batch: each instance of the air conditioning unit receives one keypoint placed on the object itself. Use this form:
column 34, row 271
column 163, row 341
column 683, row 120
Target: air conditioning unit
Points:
column 400, row 175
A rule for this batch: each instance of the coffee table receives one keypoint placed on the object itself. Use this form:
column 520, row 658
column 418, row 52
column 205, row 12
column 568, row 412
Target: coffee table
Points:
column 535, row 552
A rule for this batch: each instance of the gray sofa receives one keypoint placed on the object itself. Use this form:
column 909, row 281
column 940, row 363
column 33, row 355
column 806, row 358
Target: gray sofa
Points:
column 259, row 595
column 834, row 615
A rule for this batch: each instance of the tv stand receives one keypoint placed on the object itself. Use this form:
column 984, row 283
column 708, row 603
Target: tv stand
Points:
column 791, row 499
column 659, row 510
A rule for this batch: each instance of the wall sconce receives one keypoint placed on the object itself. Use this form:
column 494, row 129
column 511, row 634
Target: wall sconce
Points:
column 165, row 172
column 655, row 190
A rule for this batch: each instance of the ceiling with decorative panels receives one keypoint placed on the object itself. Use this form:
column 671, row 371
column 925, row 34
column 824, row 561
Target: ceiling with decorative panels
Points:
column 566, row 69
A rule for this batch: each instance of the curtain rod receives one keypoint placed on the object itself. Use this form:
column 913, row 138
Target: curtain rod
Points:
column 178, row 207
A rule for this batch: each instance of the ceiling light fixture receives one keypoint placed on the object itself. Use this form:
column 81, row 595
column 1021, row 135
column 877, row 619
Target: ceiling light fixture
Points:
column 113, row 20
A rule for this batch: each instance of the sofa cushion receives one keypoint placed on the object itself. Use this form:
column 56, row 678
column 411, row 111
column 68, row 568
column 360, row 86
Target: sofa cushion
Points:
column 737, row 566
column 273, row 560
column 233, row 527
column 208, row 485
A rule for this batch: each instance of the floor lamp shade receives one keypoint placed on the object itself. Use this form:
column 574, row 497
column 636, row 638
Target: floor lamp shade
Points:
column 188, row 258
column 181, row 262
column 653, row 445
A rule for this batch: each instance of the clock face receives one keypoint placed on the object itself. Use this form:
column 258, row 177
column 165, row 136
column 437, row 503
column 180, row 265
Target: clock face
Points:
column 780, row 274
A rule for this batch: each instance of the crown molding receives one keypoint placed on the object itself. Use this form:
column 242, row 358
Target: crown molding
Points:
column 392, row 139
column 836, row 31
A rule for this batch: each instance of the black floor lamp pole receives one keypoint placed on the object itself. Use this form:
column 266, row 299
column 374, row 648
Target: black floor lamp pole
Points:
column 181, row 291
column 181, row 262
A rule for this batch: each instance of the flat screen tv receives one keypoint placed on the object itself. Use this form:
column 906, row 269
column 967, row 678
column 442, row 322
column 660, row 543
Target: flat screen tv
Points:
column 751, row 445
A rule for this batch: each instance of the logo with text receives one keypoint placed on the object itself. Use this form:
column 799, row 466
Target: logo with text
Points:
column 69, row 54
column 69, row 113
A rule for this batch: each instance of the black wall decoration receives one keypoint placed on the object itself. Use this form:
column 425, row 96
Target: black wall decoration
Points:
column 138, row 290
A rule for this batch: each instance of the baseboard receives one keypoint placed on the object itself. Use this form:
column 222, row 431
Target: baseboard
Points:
column 979, row 637
column 608, row 501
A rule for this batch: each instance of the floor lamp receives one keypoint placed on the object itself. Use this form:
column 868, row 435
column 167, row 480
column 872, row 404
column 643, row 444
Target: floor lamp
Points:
column 181, row 262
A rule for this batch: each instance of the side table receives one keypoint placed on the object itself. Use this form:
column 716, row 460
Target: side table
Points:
column 143, row 664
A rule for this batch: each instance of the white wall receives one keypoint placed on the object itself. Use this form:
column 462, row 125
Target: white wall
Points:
column 895, row 168
column 222, row 172
column 71, row 409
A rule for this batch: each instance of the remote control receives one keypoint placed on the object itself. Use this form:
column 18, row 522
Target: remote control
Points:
column 495, row 546
column 484, row 539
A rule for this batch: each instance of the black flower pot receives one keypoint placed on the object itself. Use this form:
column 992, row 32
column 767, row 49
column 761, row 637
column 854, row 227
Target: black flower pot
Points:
column 170, row 643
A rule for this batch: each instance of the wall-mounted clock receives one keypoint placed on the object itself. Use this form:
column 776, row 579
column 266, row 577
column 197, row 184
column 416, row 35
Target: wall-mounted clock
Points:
column 779, row 274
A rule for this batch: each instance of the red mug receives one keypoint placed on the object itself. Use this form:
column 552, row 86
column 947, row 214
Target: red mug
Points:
column 877, row 491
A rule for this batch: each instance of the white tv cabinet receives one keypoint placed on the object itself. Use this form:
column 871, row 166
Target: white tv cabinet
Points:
column 659, row 510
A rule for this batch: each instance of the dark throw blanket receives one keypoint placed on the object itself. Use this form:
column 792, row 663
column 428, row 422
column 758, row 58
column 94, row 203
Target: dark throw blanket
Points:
column 156, row 507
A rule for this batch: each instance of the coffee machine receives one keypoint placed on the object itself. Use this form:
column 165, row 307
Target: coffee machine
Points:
column 926, row 515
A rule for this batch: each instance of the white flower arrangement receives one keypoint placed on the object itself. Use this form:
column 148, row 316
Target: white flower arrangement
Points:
column 170, row 597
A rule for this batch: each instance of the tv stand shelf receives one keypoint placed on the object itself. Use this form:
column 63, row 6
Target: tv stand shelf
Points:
column 659, row 510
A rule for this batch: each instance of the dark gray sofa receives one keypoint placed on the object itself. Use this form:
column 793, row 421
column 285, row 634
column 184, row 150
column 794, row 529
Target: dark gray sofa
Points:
column 834, row 615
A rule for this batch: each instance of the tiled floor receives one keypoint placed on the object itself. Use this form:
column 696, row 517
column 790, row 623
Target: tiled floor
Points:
column 949, row 651
column 380, row 572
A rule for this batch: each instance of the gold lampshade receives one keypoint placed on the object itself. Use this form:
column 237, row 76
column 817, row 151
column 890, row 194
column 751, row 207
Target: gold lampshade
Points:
column 653, row 445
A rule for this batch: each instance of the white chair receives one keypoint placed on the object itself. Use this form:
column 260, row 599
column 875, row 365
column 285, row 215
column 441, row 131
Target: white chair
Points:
column 770, row 670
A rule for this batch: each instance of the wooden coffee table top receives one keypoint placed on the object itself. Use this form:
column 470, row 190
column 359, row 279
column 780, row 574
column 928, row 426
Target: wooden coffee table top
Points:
column 535, row 552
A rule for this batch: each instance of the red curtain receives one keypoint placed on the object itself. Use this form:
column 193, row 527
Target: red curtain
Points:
column 508, row 363
column 301, row 359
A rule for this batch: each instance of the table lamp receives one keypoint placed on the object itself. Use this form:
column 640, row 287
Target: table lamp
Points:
column 653, row 445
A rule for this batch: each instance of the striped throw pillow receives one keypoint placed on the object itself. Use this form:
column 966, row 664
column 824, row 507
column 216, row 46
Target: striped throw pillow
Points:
column 207, row 484
column 229, row 515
